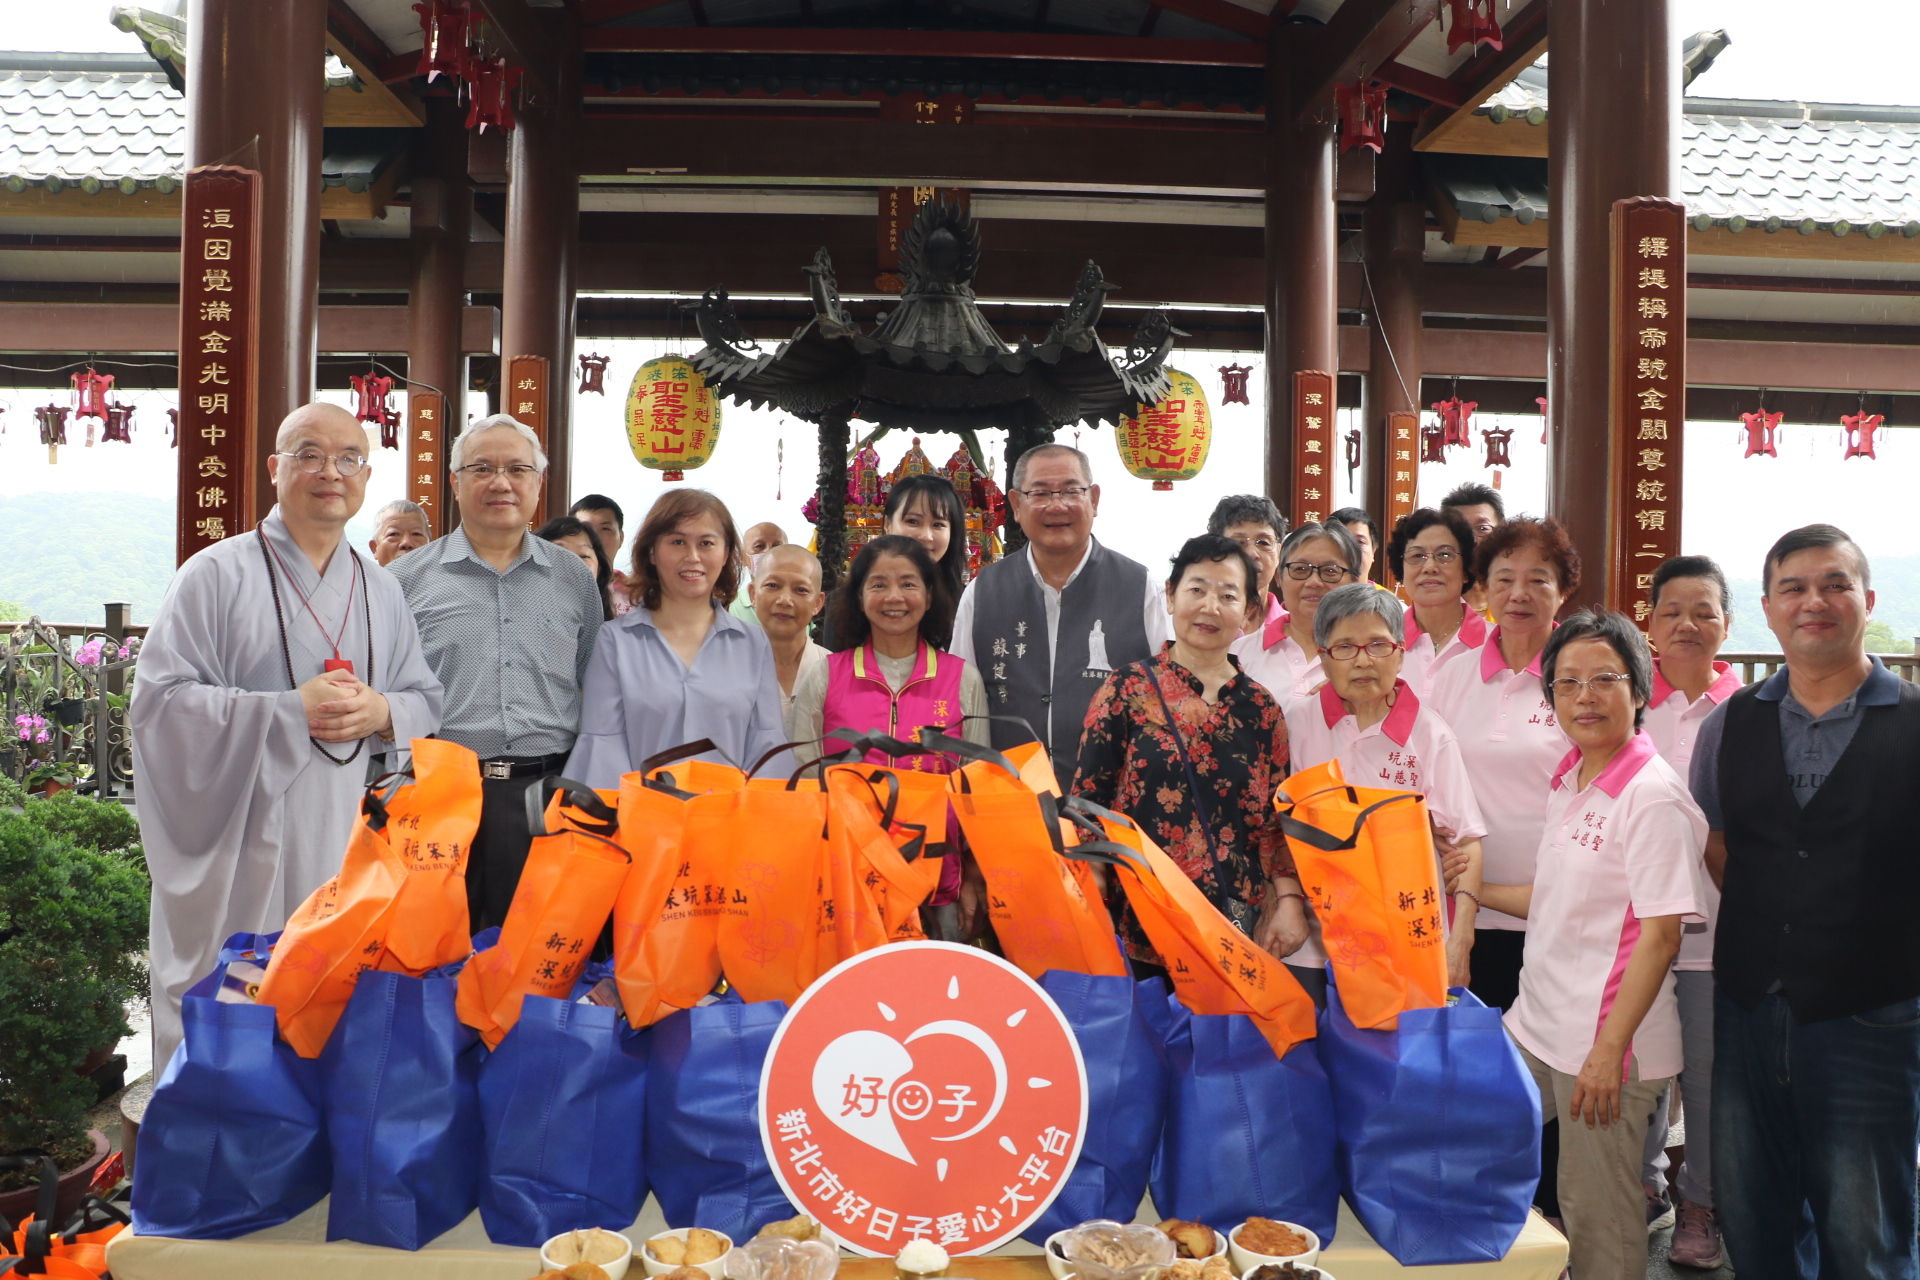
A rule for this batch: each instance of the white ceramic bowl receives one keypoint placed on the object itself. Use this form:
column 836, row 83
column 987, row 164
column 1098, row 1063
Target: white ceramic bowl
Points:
column 1245, row 1260
column 615, row 1269
column 715, row 1268
column 1060, row 1268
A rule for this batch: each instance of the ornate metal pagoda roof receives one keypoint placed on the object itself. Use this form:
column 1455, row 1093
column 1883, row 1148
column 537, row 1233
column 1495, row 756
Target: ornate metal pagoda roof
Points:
column 933, row 363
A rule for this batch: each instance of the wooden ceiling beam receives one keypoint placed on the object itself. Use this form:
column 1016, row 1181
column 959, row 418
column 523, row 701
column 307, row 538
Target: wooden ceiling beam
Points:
column 866, row 42
column 595, row 12
column 1525, row 39
column 526, row 38
column 1360, row 38
column 1223, row 14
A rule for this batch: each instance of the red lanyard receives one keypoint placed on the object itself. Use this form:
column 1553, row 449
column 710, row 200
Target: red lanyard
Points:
column 336, row 663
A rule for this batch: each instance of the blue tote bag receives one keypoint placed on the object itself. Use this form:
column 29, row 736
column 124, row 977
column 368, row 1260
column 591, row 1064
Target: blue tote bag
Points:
column 1439, row 1130
column 1247, row 1133
column 561, row 1102
column 401, row 1076
column 1126, row 1096
column 235, row 1138
column 703, row 1137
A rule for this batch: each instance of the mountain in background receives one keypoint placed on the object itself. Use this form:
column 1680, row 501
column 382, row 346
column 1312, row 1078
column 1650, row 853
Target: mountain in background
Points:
column 63, row 556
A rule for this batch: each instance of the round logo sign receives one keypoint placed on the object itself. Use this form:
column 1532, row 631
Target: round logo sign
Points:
column 923, row 1091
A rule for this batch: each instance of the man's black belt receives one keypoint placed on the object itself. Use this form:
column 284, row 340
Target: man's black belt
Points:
column 522, row 766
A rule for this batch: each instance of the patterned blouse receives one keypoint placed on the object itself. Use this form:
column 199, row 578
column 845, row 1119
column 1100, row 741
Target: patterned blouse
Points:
column 1130, row 762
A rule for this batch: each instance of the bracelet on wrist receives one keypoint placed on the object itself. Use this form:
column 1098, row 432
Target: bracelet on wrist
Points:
column 1280, row 896
column 1471, row 896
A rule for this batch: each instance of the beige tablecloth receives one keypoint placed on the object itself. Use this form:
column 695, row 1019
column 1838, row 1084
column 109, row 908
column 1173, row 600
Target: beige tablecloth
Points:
column 299, row 1250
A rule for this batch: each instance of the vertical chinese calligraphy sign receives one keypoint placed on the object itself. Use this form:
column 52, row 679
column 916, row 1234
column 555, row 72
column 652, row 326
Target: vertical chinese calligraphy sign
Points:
column 425, row 451
column 899, row 205
column 1403, row 471
column 1312, row 496
column 219, row 341
column 1649, row 387
column 924, row 1091
column 525, row 395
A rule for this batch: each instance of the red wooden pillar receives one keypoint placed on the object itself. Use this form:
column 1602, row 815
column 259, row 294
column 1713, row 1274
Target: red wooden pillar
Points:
column 442, row 217
column 1395, row 238
column 542, row 244
column 1301, row 226
column 1614, row 133
column 253, row 99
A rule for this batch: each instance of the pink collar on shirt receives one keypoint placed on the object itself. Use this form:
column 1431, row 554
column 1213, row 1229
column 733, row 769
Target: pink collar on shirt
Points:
column 1277, row 619
column 1473, row 628
column 1725, row 684
column 1493, row 662
column 1619, row 771
column 1400, row 717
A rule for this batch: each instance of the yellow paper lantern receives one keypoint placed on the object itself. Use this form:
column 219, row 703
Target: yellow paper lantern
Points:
column 1169, row 441
column 673, row 417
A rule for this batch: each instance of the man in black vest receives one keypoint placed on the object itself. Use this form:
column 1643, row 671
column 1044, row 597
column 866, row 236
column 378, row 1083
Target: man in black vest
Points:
column 1047, row 625
column 1804, row 779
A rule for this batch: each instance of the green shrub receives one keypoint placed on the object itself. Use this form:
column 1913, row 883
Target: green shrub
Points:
column 73, row 927
column 104, row 826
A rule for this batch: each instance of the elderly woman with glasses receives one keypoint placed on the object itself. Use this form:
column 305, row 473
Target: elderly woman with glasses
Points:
column 1282, row 655
column 1431, row 552
column 1509, row 732
column 1252, row 520
column 1619, row 871
column 1369, row 719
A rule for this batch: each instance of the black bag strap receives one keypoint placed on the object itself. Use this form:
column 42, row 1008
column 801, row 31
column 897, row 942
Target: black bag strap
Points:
column 1328, row 842
column 951, row 745
column 39, row 1241
column 1186, row 763
column 601, row 820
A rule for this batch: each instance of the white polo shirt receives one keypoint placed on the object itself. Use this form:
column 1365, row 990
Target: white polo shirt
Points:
column 1421, row 662
column 1270, row 656
column 1411, row 750
column 1673, row 723
column 1628, row 847
column 1511, row 742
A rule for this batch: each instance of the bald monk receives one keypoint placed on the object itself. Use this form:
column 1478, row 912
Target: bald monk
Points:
column 279, row 661
column 786, row 596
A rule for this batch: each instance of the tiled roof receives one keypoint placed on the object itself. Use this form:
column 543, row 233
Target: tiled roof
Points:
column 1763, row 166
column 99, row 124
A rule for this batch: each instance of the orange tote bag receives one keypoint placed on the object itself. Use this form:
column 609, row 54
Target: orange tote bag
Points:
column 566, row 892
column 399, row 902
column 1213, row 966
column 1366, row 861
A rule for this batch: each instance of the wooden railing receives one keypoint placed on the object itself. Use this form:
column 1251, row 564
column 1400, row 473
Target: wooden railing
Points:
column 1758, row 666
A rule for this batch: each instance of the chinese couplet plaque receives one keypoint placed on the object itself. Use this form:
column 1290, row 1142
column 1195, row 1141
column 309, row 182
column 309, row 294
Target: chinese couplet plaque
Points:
column 898, row 205
column 1312, row 496
column 219, row 337
column 525, row 395
column 425, row 449
column 1649, row 387
column 923, row 1091
column 1403, row 470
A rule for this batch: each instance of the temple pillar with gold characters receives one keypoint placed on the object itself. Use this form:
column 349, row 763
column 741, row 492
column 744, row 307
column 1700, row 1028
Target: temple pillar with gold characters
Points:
column 868, row 489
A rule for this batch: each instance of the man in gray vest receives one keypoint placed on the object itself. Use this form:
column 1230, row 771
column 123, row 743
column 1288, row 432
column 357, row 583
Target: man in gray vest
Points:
column 1048, row 624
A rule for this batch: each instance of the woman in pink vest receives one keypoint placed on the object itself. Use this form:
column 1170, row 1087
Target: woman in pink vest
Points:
column 891, row 672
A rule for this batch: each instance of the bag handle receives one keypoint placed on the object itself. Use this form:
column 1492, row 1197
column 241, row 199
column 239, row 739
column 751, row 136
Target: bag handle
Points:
column 601, row 821
column 1026, row 725
column 955, row 746
column 45, row 1205
column 1326, row 841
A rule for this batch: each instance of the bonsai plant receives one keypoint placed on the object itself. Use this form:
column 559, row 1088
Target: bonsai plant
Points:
column 73, row 929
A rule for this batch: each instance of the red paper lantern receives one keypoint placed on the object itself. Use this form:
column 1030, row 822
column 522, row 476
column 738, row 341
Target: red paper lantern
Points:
column 1233, row 383
column 1456, row 420
column 53, row 428
column 593, row 373
column 1861, row 429
column 492, row 83
column 444, row 24
column 1362, row 109
column 1760, row 426
column 1471, row 22
column 1433, row 443
column 1496, row 440
column 1168, row 441
column 119, row 426
column 90, row 394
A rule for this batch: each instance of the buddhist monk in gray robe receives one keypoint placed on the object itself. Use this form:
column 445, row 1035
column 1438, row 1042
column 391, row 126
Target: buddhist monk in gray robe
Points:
column 280, row 661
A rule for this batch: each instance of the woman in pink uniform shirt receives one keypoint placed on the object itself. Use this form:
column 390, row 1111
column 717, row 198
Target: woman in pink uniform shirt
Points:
column 1691, row 605
column 1431, row 553
column 1314, row 559
column 1494, row 701
column 1620, row 864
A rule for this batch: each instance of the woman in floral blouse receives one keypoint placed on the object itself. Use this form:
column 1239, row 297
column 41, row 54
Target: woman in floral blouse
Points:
column 1200, row 781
